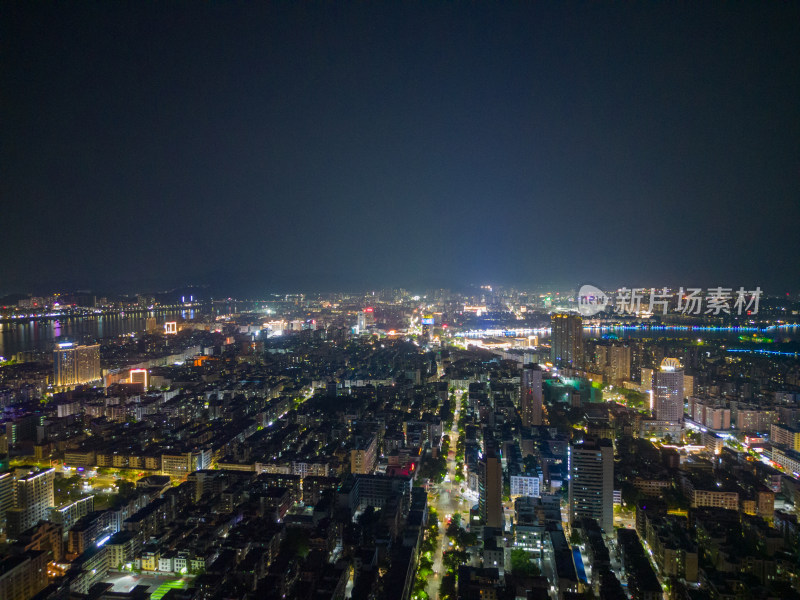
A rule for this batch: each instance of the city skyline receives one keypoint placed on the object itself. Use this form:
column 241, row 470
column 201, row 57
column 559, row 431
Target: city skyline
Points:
column 621, row 299
column 486, row 445
column 399, row 301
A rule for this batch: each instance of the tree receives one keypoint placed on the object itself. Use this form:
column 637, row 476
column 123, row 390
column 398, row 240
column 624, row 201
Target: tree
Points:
column 419, row 592
column 296, row 542
column 425, row 563
column 467, row 539
column 454, row 526
column 125, row 488
column 692, row 436
column 447, row 589
column 530, row 463
column 522, row 565
column 575, row 538
column 452, row 559
column 433, row 518
column 68, row 488
column 675, row 499
column 576, row 416
column 630, row 494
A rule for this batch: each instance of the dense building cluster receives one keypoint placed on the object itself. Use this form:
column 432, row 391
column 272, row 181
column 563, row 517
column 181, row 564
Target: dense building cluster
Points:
column 399, row 447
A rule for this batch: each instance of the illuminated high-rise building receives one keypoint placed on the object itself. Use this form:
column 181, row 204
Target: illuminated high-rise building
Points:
column 591, row 482
column 531, row 396
column 490, row 488
column 566, row 341
column 618, row 368
column 365, row 319
column 74, row 365
column 151, row 325
column 64, row 365
column 88, row 363
column 427, row 327
column 24, row 575
column 33, row 499
column 612, row 360
column 363, row 456
column 6, row 494
column 647, row 378
column 668, row 391
column 688, row 385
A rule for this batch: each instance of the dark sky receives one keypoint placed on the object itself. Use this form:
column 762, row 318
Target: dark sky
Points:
column 318, row 146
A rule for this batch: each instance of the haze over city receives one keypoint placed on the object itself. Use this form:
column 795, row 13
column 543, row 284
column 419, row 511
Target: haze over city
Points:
column 280, row 147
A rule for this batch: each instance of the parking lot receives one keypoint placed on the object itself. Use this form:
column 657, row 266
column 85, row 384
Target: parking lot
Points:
column 125, row 582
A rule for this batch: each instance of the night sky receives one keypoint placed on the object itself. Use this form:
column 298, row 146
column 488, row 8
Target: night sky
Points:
column 303, row 146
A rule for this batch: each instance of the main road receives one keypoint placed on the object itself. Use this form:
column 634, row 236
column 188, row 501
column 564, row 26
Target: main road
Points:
column 447, row 500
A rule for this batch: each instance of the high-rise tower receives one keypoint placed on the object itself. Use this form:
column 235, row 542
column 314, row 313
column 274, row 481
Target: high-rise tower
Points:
column 490, row 488
column 566, row 341
column 668, row 391
column 591, row 482
column 531, row 395
column 33, row 498
column 74, row 365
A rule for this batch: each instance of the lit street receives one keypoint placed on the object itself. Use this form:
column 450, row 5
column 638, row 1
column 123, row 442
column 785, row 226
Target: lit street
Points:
column 446, row 499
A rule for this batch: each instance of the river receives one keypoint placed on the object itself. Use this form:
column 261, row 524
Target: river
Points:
column 40, row 335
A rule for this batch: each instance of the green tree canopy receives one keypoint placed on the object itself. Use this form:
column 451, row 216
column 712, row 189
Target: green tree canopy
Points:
column 522, row 564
